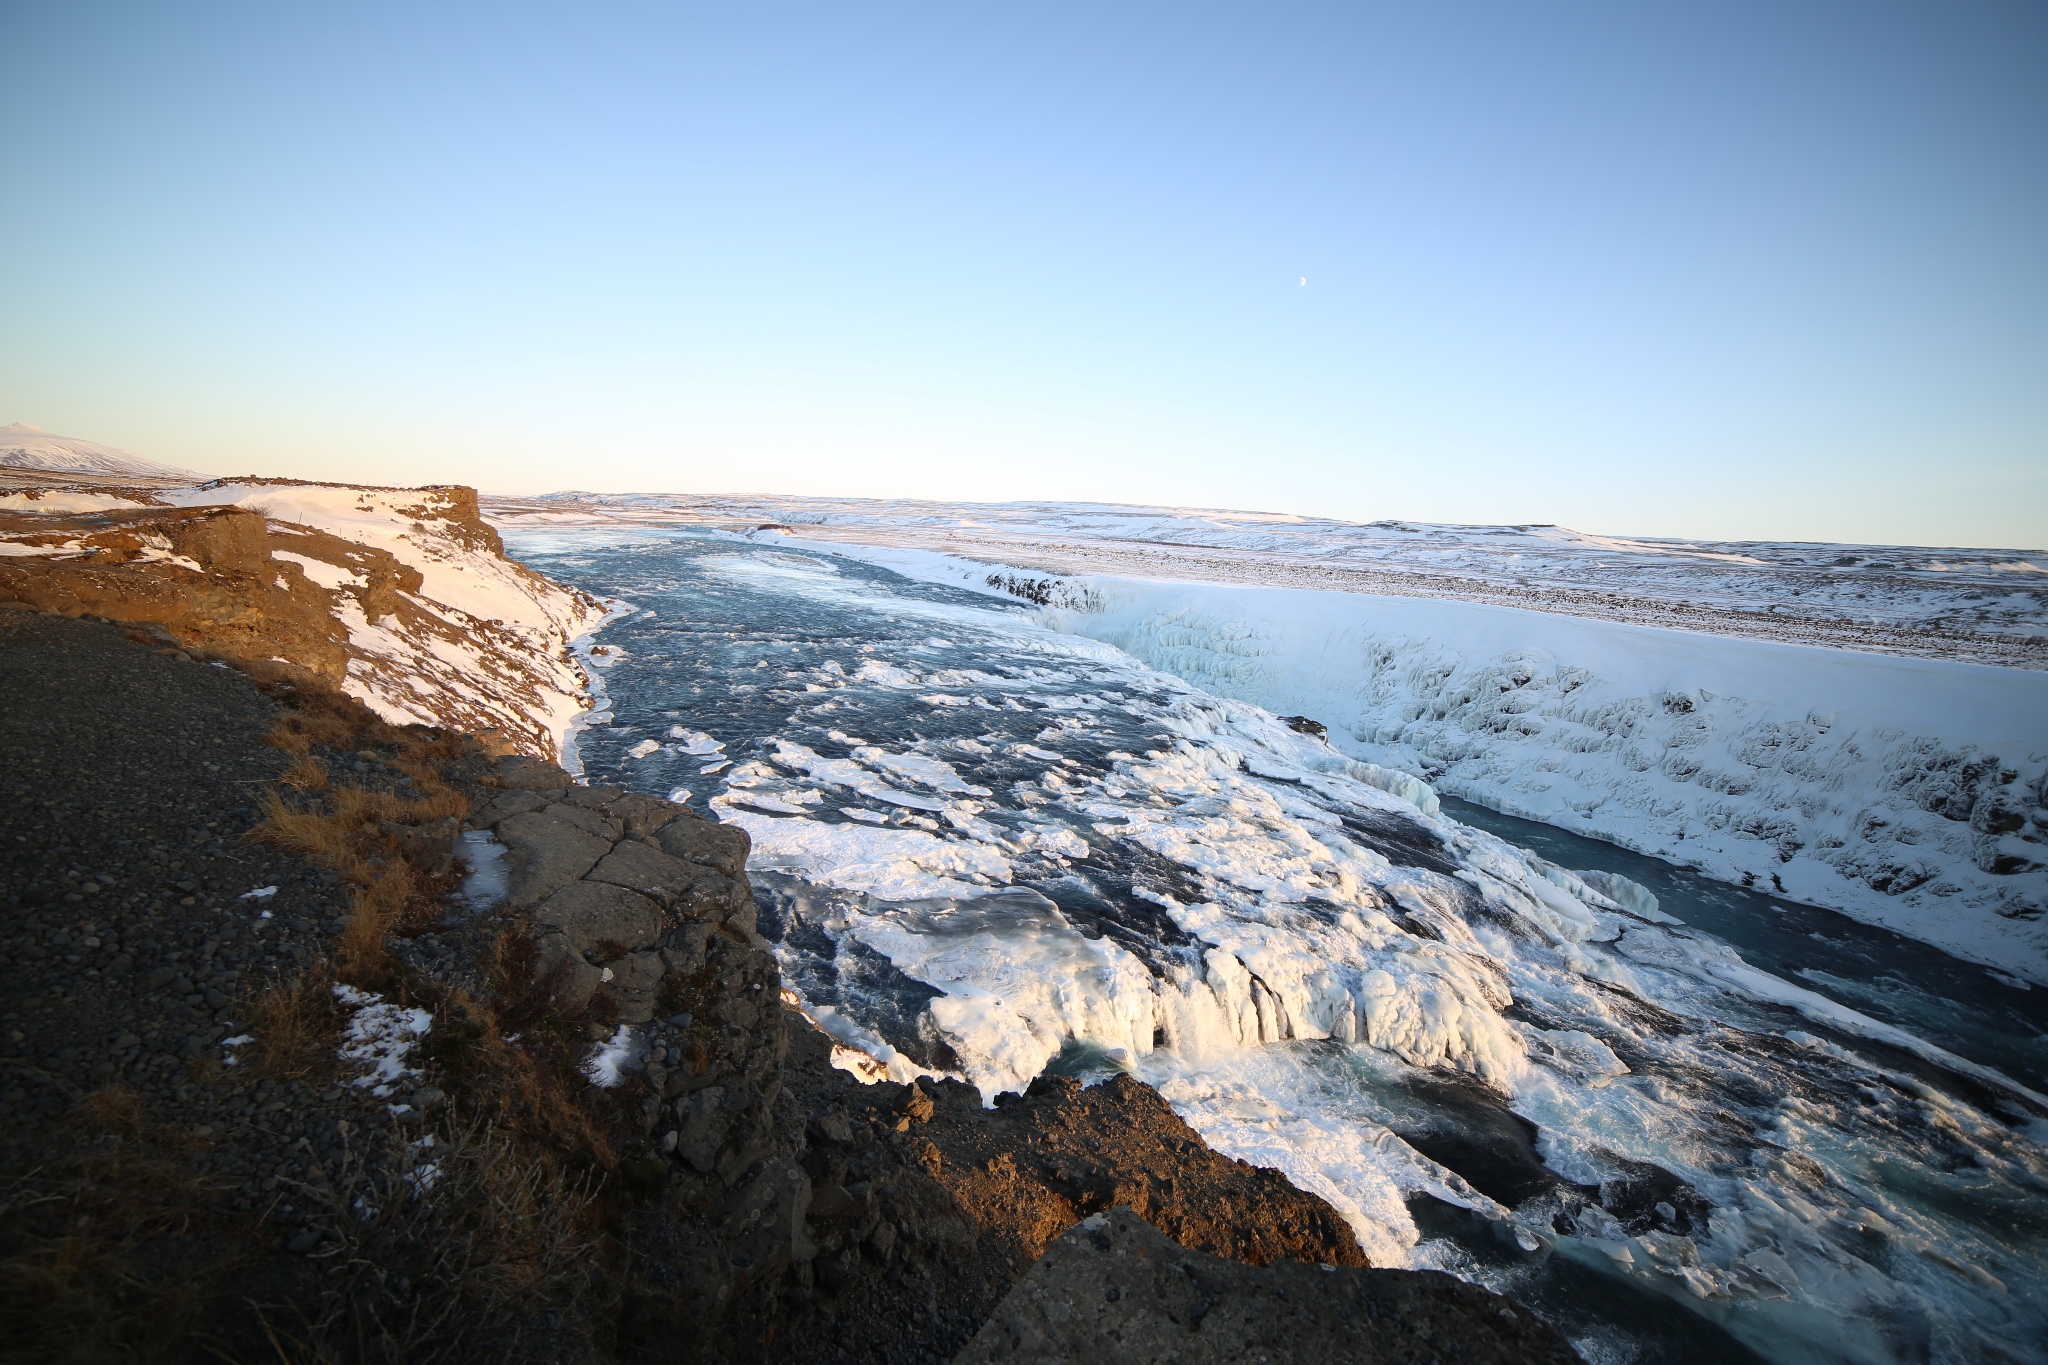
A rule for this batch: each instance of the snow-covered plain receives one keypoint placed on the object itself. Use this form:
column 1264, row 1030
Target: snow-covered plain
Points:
column 1990, row 606
column 1904, row 787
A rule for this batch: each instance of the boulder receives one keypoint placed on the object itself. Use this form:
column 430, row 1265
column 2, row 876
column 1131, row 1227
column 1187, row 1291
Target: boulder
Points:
column 709, row 897
column 687, row 949
column 594, row 916
column 587, row 820
column 592, row 798
column 228, row 540
column 546, row 854
column 570, row 980
column 642, row 814
column 765, row 1220
column 692, row 838
column 531, row 774
column 518, row 801
column 701, row 1126
column 1116, row 1291
column 636, row 978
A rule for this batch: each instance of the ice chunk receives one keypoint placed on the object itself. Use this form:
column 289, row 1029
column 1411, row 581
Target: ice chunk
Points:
column 1626, row 894
column 694, row 741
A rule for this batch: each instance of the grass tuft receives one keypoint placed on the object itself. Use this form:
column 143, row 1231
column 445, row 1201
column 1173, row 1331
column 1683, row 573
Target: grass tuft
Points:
column 306, row 774
column 298, row 1029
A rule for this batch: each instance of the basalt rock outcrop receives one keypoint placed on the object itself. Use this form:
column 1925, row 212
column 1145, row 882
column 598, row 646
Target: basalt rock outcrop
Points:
column 641, row 916
column 204, row 574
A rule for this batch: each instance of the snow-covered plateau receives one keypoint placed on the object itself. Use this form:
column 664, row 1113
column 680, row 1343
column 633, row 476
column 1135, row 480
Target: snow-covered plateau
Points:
column 1896, row 780
column 402, row 597
column 1988, row 606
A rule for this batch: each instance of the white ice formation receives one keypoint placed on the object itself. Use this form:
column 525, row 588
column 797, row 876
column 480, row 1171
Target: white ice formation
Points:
column 1908, row 792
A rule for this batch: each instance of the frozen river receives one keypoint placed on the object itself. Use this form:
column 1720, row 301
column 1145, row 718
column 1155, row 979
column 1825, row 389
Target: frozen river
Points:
column 1685, row 1125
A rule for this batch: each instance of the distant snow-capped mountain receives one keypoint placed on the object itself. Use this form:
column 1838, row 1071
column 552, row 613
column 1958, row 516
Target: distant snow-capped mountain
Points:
column 26, row 447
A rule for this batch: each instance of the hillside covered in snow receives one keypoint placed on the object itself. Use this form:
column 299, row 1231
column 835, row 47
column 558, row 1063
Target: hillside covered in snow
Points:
column 403, row 598
column 25, row 447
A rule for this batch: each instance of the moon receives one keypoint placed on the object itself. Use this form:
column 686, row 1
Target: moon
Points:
column 1304, row 281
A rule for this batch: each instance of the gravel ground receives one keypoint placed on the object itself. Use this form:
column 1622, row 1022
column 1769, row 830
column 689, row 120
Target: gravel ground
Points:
column 130, row 955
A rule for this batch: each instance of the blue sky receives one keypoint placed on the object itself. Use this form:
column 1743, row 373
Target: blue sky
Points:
column 1770, row 270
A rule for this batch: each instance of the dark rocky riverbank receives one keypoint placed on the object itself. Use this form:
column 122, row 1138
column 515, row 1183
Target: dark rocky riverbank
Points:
column 469, row 1191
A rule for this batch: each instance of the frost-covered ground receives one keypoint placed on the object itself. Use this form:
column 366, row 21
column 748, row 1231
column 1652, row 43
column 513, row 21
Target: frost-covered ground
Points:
column 987, row 847
column 1908, row 791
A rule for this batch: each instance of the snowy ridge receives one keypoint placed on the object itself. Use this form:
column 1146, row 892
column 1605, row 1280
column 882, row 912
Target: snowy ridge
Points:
column 25, row 447
column 481, row 645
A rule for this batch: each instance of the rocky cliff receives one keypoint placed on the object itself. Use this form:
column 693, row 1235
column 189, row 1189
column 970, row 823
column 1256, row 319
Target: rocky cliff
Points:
column 401, row 598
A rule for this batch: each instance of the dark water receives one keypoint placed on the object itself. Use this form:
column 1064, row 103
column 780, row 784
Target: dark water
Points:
column 1955, row 1004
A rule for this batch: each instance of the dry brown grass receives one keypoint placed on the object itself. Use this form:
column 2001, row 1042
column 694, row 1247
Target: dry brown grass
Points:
column 377, row 909
column 299, row 729
column 306, row 774
column 111, row 1109
column 535, row 1088
column 312, row 832
column 86, row 1277
column 499, row 1258
column 358, row 806
column 298, row 1028
column 348, row 832
column 283, row 737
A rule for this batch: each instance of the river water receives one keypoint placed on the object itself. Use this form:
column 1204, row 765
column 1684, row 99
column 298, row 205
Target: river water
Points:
column 1716, row 1126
